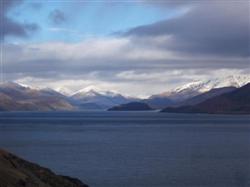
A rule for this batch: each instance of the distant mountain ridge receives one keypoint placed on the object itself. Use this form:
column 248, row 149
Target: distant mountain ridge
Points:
column 181, row 94
column 206, row 95
column 234, row 102
column 18, row 97
column 93, row 98
column 14, row 96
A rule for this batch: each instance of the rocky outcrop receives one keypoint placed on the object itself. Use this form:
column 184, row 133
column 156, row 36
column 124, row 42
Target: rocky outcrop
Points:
column 16, row 172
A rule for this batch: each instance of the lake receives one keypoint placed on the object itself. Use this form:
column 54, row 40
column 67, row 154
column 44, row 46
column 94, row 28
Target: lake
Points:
column 134, row 149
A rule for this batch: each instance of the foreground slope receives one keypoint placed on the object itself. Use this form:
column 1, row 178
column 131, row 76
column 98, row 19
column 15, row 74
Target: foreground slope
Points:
column 16, row 172
column 235, row 102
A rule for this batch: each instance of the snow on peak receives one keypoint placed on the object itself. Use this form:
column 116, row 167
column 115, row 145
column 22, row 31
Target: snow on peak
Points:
column 63, row 90
column 26, row 85
column 90, row 88
column 93, row 91
column 197, row 86
column 204, row 86
column 23, row 85
column 233, row 80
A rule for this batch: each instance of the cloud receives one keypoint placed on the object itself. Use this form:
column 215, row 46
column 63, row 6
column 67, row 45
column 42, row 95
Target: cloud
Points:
column 109, row 55
column 94, row 52
column 212, row 28
column 105, row 54
column 57, row 17
column 209, row 40
column 10, row 27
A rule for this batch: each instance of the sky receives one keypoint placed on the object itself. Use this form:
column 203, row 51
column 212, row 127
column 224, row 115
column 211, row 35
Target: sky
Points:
column 137, row 48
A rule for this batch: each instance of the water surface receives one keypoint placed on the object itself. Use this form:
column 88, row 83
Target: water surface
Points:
column 134, row 149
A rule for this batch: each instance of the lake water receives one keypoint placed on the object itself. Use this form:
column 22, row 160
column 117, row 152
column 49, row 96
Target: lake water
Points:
column 134, row 149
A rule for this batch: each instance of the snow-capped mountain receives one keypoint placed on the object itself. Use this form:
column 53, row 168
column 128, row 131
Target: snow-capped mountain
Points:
column 90, row 97
column 63, row 90
column 233, row 80
column 93, row 91
column 15, row 96
column 26, row 97
column 233, row 102
column 197, row 87
column 93, row 96
column 206, row 85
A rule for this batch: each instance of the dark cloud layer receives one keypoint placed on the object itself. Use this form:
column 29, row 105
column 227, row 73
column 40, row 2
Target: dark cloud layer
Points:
column 213, row 27
column 57, row 17
column 10, row 27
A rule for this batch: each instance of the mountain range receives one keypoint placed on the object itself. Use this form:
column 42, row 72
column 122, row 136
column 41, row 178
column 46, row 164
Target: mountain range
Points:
column 180, row 94
column 18, row 97
column 189, row 98
column 233, row 102
column 93, row 98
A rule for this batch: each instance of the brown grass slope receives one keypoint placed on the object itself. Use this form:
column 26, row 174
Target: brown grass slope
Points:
column 16, row 172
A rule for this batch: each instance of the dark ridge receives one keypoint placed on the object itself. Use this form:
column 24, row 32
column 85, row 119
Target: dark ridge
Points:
column 132, row 106
column 204, row 96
